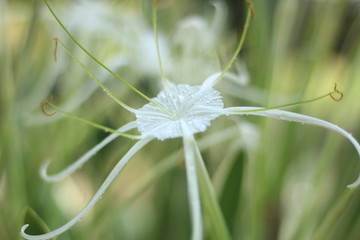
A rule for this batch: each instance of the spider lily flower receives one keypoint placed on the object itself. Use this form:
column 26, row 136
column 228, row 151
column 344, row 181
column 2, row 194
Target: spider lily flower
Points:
column 137, row 52
column 189, row 110
column 180, row 111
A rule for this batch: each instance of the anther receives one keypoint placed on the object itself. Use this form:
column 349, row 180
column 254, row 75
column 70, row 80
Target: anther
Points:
column 43, row 107
column 251, row 6
column 341, row 95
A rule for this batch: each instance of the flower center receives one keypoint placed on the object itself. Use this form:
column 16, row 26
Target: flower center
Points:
column 194, row 106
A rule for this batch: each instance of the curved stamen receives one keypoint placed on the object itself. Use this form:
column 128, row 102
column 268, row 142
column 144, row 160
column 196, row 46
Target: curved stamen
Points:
column 82, row 160
column 117, row 169
column 99, row 126
column 108, row 92
column 296, row 117
column 240, row 44
column 101, row 64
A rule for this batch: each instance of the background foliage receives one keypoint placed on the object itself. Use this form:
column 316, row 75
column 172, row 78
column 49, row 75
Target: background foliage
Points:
column 291, row 182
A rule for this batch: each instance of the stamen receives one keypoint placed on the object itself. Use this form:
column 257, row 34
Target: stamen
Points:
column 43, row 106
column 101, row 64
column 56, row 47
column 156, row 35
column 106, row 129
column 240, row 44
column 109, row 93
column 296, row 117
column 303, row 102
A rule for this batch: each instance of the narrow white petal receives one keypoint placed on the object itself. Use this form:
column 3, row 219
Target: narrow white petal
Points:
column 82, row 160
column 210, row 81
column 296, row 117
column 240, row 80
column 192, row 181
column 121, row 164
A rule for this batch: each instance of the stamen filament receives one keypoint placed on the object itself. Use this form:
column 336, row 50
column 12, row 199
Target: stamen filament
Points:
column 55, row 49
column 101, row 64
column 156, row 35
column 240, row 45
column 113, row 174
column 296, row 117
column 130, row 109
column 82, row 160
column 106, row 129
column 331, row 94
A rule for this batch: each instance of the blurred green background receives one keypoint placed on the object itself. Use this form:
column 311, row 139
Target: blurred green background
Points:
column 274, row 179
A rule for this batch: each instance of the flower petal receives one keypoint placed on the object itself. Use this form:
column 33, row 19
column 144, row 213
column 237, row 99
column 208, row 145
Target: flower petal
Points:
column 82, row 160
column 296, row 117
column 192, row 182
column 117, row 169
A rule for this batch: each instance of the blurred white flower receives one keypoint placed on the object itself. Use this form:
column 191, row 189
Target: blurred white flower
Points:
column 180, row 110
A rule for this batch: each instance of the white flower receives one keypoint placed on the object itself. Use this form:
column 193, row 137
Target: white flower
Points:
column 193, row 106
column 186, row 110
column 180, row 111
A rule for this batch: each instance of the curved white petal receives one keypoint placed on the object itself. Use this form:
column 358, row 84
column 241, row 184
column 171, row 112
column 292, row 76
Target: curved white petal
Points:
column 240, row 79
column 121, row 164
column 192, row 182
column 82, row 160
column 296, row 117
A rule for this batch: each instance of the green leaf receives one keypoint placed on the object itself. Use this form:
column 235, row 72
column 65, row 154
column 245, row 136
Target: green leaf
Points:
column 230, row 195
